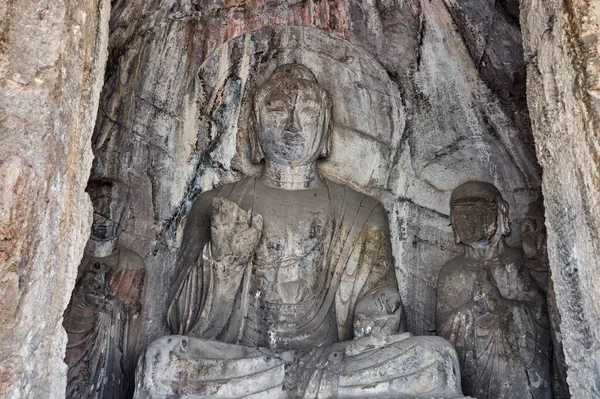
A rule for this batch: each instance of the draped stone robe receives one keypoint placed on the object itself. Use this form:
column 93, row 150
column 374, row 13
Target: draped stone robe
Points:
column 102, row 326
column 345, row 254
column 289, row 332
column 503, row 355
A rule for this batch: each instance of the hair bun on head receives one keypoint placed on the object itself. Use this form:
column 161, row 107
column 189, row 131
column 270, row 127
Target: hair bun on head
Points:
column 476, row 190
column 294, row 71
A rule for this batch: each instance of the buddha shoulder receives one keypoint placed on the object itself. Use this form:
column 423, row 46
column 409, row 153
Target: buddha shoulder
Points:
column 203, row 203
column 365, row 206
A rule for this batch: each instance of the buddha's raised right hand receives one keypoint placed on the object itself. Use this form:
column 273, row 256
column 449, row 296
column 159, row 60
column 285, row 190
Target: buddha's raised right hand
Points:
column 235, row 234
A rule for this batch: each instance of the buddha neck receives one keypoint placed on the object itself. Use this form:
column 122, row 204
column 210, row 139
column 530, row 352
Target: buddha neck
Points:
column 291, row 177
column 482, row 253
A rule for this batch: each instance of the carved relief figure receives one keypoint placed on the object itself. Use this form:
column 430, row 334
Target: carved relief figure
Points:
column 101, row 319
column 533, row 234
column 280, row 272
column 488, row 305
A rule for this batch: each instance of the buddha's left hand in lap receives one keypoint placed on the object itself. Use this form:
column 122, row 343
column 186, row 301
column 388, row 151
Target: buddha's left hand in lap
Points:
column 378, row 313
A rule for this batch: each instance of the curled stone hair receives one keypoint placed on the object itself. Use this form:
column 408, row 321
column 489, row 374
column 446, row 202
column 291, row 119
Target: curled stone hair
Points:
column 289, row 72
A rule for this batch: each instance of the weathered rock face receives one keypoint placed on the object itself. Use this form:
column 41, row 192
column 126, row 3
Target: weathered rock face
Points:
column 52, row 57
column 173, row 117
column 561, row 49
column 445, row 78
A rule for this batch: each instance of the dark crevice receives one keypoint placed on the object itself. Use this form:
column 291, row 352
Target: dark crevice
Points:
column 420, row 36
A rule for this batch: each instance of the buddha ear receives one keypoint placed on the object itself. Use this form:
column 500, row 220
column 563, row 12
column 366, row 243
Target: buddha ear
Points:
column 256, row 153
column 457, row 238
column 503, row 217
column 327, row 128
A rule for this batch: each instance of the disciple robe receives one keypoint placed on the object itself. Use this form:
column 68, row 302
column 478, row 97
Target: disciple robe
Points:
column 503, row 354
column 102, row 326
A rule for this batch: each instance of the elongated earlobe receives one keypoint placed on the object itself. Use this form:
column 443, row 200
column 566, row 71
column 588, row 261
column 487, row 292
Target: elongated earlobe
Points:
column 503, row 213
column 456, row 235
column 256, row 154
column 327, row 128
column 326, row 148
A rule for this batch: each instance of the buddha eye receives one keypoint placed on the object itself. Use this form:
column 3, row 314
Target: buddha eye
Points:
column 310, row 109
column 275, row 106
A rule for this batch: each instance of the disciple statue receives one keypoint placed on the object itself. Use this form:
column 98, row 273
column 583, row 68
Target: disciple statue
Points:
column 278, row 274
column 102, row 317
column 488, row 305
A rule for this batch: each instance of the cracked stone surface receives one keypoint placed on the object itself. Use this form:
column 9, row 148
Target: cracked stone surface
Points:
column 168, row 125
column 52, row 58
column 561, row 52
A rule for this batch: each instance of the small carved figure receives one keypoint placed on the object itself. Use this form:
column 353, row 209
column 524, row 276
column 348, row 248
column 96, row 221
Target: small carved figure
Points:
column 280, row 272
column 488, row 305
column 533, row 235
column 101, row 319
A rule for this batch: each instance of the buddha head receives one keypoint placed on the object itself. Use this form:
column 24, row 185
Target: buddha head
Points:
column 110, row 199
column 292, row 115
column 478, row 213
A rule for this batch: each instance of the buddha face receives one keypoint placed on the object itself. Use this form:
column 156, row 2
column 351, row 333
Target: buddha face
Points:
column 474, row 222
column 479, row 214
column 293, row 115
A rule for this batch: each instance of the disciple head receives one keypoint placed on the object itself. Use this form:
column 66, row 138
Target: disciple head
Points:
column 533, row 231
column 292, row 113
column 110, row 200
column 479, row 214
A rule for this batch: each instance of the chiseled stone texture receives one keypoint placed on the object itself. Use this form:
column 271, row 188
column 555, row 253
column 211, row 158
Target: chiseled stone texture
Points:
column 561, row 51
column 52, row 58
column 418, row 112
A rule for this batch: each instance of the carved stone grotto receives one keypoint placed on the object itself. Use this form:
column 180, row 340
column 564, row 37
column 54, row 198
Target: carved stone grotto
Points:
column 426, row 95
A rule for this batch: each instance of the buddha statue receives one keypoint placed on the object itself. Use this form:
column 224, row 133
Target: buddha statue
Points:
column 286, row 287
column 101, row 319
column 489, row 306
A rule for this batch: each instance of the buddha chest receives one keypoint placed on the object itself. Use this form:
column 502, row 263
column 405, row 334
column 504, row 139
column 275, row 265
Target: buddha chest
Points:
column 289, row 257
column 288, row 281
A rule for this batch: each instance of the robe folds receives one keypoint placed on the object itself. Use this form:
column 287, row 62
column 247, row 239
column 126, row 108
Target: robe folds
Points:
column 356, row 258
column 300, row 345
column 102, row 326
column 504, row 354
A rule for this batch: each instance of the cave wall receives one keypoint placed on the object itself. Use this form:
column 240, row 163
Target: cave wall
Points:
column 52, row 59
column 170, row 127
column 455, row 66
column 454, row 69
column 561, row 51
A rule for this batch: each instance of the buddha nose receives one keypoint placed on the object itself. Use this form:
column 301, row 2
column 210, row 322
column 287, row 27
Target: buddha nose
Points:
column 291, row 124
